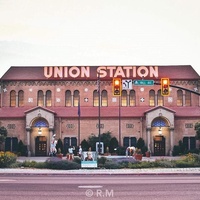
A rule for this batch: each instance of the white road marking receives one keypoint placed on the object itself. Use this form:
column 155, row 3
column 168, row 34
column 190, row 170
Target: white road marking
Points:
column 90, row 186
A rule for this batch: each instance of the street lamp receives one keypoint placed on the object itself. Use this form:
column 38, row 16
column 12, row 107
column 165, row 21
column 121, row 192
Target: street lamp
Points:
column 99, row 112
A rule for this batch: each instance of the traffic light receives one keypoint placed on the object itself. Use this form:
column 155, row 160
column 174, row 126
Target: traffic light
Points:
column 117, row 86
column 165, row 86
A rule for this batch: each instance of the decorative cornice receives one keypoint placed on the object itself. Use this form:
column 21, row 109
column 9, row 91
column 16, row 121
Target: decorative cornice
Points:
column 54, row 83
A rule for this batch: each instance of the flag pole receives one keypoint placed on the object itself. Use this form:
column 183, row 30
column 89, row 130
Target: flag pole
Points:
column 79, row 120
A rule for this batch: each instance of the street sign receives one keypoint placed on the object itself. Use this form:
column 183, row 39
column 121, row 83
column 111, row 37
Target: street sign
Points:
column 143, row 82
column 127, row 84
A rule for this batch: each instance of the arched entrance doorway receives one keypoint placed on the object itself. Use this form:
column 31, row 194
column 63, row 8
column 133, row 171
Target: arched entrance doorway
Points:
column 40, row 133
column 160, row 132
column 159, row 145
column 40, row 146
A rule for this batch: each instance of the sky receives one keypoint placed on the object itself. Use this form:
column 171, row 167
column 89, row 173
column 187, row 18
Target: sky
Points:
column 99, row 32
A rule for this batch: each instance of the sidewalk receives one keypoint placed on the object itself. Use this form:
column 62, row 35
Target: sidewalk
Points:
column 152, row 171
column 147, row 171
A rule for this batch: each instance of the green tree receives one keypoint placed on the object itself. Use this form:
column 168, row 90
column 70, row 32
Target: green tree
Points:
column 3, row 135
column 85, row 146
column 59, row 146
column 92, row 141
column 104, row 137
column 140, row 143
column 22, row 149
column 197, row 129
column 113, row 144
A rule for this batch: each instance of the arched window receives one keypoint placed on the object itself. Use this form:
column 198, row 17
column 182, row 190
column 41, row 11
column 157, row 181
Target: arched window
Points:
column 12, row 98
column 21, row 98
column 40, row 123
column 187, row 98
column 104, row 100
column 48, row 98
column 68, row 98
column 124, row 98
column 159, row 122
column 160, row 98
column 179, row 98
column 151, row 98
column 76, row 98
column 132, row 98
column 40, row 98
column 95, row 98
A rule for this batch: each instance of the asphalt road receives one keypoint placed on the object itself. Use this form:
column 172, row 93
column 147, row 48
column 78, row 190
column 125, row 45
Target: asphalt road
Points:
column 81, row 187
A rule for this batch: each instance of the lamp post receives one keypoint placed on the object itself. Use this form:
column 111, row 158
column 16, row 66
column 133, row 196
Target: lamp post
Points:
column 99, row 111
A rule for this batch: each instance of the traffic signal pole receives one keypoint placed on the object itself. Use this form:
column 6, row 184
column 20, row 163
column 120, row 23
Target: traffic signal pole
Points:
column 175, row 86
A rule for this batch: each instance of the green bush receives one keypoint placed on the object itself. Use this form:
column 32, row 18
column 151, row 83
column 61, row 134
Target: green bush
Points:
column 7, row 158
column 77, row 160
column 189, row 160
column 62, row 164
column 41, row 165
column 109, row 164
column 29, row 164
column 163, row 163
column 140, row 165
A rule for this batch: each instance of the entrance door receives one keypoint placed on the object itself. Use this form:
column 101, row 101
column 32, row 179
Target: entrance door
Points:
column 159, row 146
column 41, row 146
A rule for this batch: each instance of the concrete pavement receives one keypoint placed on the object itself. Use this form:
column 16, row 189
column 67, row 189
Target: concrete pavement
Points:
column 91, row 172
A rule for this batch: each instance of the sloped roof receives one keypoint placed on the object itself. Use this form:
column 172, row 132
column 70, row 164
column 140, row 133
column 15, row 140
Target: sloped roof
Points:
column 39, row 107
column 176, row 72
column 160, row 107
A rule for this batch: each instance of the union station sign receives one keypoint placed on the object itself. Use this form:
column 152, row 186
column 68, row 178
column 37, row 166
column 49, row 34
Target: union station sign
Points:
column 106, row 72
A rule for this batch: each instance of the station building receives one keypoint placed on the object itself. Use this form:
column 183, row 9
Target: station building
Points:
column 74, row 102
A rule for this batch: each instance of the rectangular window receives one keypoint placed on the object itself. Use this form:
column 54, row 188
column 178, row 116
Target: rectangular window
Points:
column 129, row 141
column 189, row 143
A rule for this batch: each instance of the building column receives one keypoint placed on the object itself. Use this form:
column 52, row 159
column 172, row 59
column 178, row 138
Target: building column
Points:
column 148, row 132
column 28, row 140
column 171, row 140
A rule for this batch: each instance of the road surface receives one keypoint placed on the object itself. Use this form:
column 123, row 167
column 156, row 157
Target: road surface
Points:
column 117, row 187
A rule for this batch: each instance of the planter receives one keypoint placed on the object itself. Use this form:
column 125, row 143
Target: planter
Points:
column 138, row 156
column 147, row 154
column 60, row 155
column 69, row 156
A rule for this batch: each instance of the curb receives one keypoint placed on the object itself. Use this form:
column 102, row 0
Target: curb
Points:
column 154, row 171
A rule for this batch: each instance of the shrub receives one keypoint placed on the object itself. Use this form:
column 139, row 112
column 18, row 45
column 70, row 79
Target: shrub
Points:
column 109, row 164
column 62, row 164
column 139, row 165
column 77, row 160
column 121, row 150
column 41, row 165
column 7, row 158
column 29, row 164
column 22, row 149
column 163, row 163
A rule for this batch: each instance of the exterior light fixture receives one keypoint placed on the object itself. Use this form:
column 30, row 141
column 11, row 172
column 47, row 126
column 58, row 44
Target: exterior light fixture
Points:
column 160, row 131
column 39, row 131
